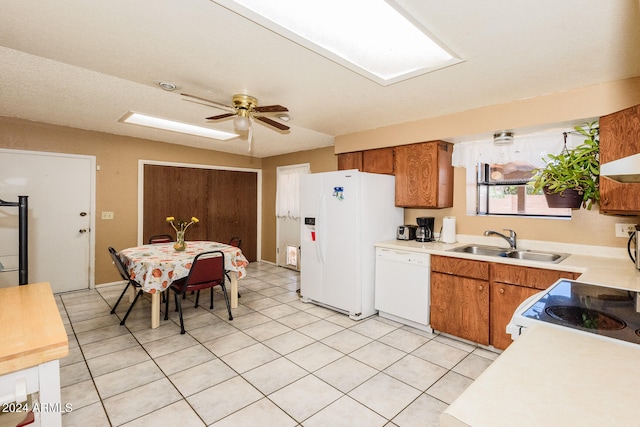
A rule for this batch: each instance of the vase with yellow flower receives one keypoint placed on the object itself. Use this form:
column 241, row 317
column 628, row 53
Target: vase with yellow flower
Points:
column 181, row 225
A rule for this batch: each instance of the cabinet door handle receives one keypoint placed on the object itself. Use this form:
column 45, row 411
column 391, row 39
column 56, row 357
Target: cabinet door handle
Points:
column 501, row 291
column 480, row 287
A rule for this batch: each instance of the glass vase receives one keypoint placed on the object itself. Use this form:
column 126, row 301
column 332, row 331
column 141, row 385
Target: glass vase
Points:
column 180, row 245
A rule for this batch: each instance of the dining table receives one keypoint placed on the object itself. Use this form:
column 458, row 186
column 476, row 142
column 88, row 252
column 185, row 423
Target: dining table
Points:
column 156, row 266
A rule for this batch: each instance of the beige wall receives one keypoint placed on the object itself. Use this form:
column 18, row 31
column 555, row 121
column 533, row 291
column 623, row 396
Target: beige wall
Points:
column 592, row 101
column 117, row 179
column 117, row 156
column 320, row 160
column 585, row 227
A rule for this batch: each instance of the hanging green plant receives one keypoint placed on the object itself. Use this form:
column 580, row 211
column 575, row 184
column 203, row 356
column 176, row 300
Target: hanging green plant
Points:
column 576, row 169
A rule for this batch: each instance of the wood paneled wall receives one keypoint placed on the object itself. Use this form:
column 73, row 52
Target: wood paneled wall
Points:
column 224, row 201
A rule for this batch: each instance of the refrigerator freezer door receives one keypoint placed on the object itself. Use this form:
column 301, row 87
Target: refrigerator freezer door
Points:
column 310, row 256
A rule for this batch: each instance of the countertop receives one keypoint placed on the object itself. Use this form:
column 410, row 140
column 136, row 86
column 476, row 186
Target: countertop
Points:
column 553, row 376
column 597, row 264
column 32, row 330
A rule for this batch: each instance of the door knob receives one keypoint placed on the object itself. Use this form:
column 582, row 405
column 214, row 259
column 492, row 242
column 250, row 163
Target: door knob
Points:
column 83, row 214
column 83, row 230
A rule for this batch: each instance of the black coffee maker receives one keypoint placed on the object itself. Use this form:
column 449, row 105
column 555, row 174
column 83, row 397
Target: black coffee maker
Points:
column 424, row 232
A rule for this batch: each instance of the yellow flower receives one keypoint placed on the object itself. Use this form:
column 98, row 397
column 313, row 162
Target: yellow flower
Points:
column 194, row 219
column 170, row 218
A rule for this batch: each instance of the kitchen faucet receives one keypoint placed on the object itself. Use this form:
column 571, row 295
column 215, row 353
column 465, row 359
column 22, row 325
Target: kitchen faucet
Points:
column 511, row 239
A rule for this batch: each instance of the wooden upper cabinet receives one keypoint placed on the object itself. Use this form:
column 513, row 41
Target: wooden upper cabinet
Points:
column 619, row 137
column 350, row 161
column 424, row 175
column 379, row 160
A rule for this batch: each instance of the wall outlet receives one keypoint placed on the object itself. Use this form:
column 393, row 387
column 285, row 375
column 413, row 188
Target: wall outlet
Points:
column 109, row 215
column 625, row 230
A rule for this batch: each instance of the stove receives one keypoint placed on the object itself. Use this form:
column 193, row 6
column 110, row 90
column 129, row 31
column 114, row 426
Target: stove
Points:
column 589, row 308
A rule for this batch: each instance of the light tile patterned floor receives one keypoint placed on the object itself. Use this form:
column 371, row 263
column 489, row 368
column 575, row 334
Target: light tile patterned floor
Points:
column 280, row 363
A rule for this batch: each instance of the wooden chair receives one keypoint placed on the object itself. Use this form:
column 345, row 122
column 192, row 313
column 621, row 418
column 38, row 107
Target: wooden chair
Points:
column 160, row 238
column 125, row 275
column 207, row 271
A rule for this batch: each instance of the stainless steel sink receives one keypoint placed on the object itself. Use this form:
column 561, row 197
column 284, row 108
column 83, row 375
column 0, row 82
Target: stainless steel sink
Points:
column 527, row 255
column 480, row 250
column 537, row 256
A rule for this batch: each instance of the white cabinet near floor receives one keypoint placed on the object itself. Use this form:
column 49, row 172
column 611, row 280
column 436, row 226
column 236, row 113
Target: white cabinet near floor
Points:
column 402, row 286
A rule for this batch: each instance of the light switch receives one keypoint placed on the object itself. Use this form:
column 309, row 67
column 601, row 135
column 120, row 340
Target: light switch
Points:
column 107, row 215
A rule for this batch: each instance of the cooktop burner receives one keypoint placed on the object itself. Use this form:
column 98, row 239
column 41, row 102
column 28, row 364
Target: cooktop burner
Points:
column 591, row 308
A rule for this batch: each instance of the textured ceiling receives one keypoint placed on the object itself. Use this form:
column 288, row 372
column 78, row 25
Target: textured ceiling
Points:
column 85, row 64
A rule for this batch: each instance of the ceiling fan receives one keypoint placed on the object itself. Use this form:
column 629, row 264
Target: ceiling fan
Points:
column 245, row 109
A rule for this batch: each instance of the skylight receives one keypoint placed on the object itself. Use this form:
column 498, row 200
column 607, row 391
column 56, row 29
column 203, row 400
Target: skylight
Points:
column 374, row 38
column 173, row 126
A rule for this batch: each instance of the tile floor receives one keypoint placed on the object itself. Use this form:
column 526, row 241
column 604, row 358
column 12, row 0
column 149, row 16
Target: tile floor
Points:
column 280, row 362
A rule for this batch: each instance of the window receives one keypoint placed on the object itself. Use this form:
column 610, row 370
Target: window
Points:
column 502, row 190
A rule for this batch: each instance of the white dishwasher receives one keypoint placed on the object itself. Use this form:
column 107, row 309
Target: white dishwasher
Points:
column 402, row 286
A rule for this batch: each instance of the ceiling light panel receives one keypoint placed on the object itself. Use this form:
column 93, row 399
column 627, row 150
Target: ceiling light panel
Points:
column 374, row 38
column 173, row 126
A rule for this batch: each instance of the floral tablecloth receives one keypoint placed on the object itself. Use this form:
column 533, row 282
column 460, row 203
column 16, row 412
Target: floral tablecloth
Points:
column 156, row 266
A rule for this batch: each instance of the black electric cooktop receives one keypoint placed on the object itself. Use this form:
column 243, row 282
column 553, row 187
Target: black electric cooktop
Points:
column 590, row 308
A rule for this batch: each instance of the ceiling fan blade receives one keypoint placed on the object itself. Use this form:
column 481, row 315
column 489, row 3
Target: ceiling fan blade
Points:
column 272, row 123
column 270, row 109
column 213, row 103
column 221, row 116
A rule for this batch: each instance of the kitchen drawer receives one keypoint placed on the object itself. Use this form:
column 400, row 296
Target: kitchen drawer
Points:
column 460, row 267
column 538, row 278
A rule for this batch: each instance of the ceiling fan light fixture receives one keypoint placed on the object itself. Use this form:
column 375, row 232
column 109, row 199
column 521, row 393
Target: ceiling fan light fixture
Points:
column 503, row 138
column 241, row 123
column 283, row 117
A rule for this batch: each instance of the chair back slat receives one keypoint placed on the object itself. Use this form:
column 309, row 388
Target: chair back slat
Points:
column 119, row 265
column 160, row 238
column 207, row 270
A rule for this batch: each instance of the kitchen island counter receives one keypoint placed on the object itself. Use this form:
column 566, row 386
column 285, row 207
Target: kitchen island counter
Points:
column 553, row 376
column 33, row 341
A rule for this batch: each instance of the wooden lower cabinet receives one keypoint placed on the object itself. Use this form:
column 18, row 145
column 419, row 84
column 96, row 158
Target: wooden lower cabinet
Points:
column 539, row 278
column 504, row 300
column 510, row 286
column 460, row 298
column 460, row 307
column 475, row 300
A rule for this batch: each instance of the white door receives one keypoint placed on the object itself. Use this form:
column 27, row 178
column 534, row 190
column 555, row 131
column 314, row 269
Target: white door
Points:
column 287, row 226
column 60, row 188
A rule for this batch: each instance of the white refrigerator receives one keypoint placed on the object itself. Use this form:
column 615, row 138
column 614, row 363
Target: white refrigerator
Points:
column 343, row 214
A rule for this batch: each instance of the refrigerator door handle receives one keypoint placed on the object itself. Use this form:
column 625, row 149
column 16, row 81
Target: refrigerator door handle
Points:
column 321, row 230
